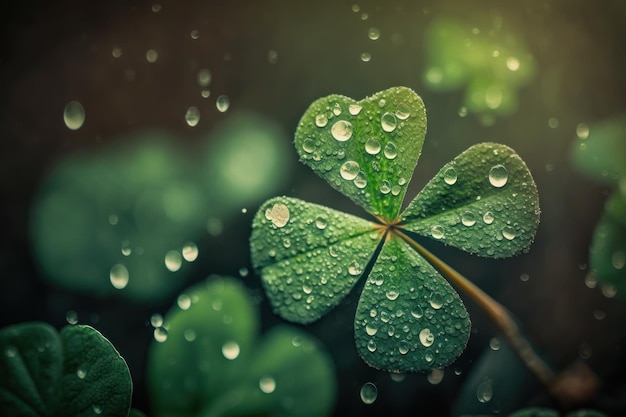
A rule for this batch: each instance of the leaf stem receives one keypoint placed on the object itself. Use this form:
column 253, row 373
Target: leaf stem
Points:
column 499, row 315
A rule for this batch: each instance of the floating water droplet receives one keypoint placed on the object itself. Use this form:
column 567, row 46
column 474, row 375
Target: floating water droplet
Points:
column 468, row 218
column 74, row 115
column 488, row 217
column 321, row 223
column 494, row 343
column 354, row 109
column 360, row 181
column 385, row 187
column 267, row 384
column 230, row 350
column 371, row 346
column 403, row 348
column 450, row 176
column 156, row 320
column 204, row 77
column 372, row 146
column 426, row 337
column 371, row 330
column 373, row 34
column 278, row 214
column 190, row 251
column 184, row 302
column 349, row 170
column 582, row 131
column 437, row 232
column 388, row 122
column 119, row 276
column 392, row 293
column 192, row 116
column 484, row 392
column 173, row 260
column 81, row 372
column 369, row 393
column 341, row 130
column 222, row 103
column 498, row 176
column 71, row 317
column 160, row 334
column 390, row 151
column 366, row 57
column 508, row 232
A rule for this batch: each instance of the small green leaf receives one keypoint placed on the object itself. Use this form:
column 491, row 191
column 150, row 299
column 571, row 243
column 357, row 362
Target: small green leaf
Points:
column 409, row 318
column 484, row 202
column 367, row 149
column 75, row 373
column 309, row 256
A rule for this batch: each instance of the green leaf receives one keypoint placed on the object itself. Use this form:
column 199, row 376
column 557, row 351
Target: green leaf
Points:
column 309, row 256
column 484, row 201
column 75, row 373
column 409, row 318
column 212, row 364
column 367, row 149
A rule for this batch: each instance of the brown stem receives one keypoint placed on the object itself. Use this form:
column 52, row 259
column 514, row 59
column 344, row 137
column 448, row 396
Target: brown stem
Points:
column 494, row 310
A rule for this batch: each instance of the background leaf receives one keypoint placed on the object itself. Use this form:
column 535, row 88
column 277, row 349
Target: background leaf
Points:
column 408, row 318
column 484, row 201
column 74, row 373
column 366, row 149
column 309, row 256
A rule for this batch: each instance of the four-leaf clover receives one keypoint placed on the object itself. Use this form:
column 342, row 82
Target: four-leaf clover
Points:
column 408, row 318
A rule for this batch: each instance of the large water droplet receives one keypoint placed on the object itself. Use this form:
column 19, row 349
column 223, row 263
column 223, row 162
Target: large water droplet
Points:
column 349, row 170
column 436, row 300
column 308, row 145
column 373, row 33
column 119, row 276
column 427, row 338
column 582, row 131
column 417, row 312
column 437, row 232
column 450, row 176
column 385, row 187
column 498, row 176
column 190, row 251
column 360, row 181
column 192, row 116
column 267, row 384
column 173, row 260
column 230, row 350
column 369, row 393
column 160, row 334
column 390, row 151
column 354, row 109
column 508, row 232
column 354, row 269
column 184, row 302
column 392, row 294
column 371, row 346
column 371, row 330
column 321, row 120
column 341, row 130
column 278, row 214
column 372, row 146
column 388, row 122
column 403, row 348
column 403, row 112
column 222, row 103
column 484, row 392
column 74, row 115
column 488, row 217
column 468, row 218
column 156, row 320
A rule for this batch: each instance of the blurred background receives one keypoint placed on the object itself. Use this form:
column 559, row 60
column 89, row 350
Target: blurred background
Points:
column 140, row 137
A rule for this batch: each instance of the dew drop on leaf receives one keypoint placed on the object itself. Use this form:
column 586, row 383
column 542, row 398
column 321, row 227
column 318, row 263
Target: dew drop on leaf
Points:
column 468, row 218
column 96, row 409
column 267, row 384
column 320, row 223
column 360, row 181
column 436, row 232
column 498, row 176
column 189, row 335
column 354, row 268
column 403, row 112
column 354, row 109
column 369, row 393
column 392, row 294
column 278, row 214
column 417, row 312
column 160, row 334
column 81, row 372
column 373, row 33
column 618, row 259
column 337, row 109
column 184, row 302
column 508, row 232
column 385, row 187
column 371, row 346
column 426, row 337
column 388, row 122
column 403, row 348
column 371, row 330
column 390, row 151
column 488, row 217
column 349, row 170
column 436, row 301
column 321, row 120
column 119, row 276
column 372, row 146
column 450, row 176
column 204, row 77
column 341, row 130
column 156, row 320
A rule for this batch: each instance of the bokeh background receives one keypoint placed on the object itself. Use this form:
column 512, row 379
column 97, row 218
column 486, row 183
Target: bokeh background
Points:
column 185, row 124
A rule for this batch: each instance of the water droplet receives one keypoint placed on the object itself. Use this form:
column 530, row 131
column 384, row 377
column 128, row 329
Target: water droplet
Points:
column 484, row 392
column 366, row 57
column 436, row 300
column 267, row 384
column 397, row 376
column 152, row 56
column 508, row 232
column 278, row 214
column 184, row 302
column 403, row 348
column 354, row 109
column 222, row 103
column 116, row 52
column 71, row 317
column 450, row 176
column 498, row 176
column 390, row 151
column 81, row 372
column 436, row 376
column 392, row 294
column 426, row 337
column 341, row 130
column 96, row 409
column 524, row 277
column 119, row 276
column 488, row 217
column 372, row 146
column 368, row 393
column 388, row 122
column 373, row 34
column 354, row 269
column 173, row 260
column 349, row 170
column 160, row 334
column 230, row 350
column 156, row 320
column 360, row 181
column 385, row 187
column 494, row 343
column 417, row 312
column 463, row 111
column 190, row 251
column 582, row 131
column 307, row 289
column 468, row 218
column 337, row 109
column 618, row 259
column 321, row 223
column 192, row 116
column 437, row 232
column 204, row 77
column 74, row 115
column 512, row 63
column 371, row 330
column 371, row 346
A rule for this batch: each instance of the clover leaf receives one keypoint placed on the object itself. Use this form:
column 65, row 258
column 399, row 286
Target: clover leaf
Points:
column 213, row 364
column 309, row 257
column 76, row 372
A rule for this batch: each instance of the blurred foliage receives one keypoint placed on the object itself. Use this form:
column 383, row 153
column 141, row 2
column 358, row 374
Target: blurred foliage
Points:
column 482, row 55
column 599, row 153
column 211, row 362
column 130, row 216
column 76, row 372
